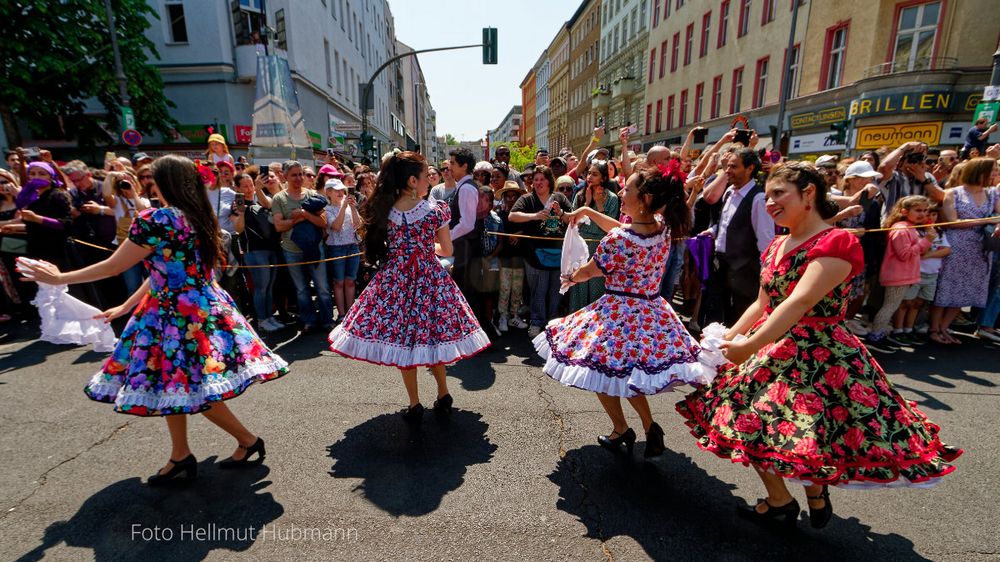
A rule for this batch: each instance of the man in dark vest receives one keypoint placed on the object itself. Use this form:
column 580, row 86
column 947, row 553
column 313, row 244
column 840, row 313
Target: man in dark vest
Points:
column 742, row 234
column 463, row 202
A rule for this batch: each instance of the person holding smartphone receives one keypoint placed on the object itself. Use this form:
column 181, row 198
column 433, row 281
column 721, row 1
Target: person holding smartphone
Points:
column 126, row 205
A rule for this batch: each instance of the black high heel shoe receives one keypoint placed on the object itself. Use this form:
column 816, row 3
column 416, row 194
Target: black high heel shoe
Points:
column 442, row 407
column 188, row 466
column 787, row 515
column 257, row 448
column 818, row 518
column 654, row 442
column 615, row 443
column 413, row 414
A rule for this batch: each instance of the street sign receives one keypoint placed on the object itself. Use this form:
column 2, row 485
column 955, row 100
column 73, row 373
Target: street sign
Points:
column 346, row 127
column 989, row 110
column 128, row 118
column 991, row 93
column 132, row 137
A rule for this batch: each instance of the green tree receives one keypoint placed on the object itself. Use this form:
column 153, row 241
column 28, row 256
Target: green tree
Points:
column 450, row 140
column 521, row 156
column 55, row 56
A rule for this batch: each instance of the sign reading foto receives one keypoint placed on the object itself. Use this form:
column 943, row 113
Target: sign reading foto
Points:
column 894, row 135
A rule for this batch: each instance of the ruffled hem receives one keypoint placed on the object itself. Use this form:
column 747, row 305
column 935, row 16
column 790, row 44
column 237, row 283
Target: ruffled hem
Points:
column 150, row 403
column 638, row 381
column 388, row 354
column 841, row 472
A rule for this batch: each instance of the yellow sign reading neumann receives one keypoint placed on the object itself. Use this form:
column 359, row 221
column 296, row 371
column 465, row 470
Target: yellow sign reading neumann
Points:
column 894, row 135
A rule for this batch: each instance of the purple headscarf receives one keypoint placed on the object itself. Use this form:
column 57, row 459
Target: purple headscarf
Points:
column 29, row 192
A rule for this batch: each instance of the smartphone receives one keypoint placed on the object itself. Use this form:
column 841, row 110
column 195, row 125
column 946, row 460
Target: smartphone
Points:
column 154, row 203
column 600, row 121
column 109, row 156
column 742, row 136
column 700, row 134
column 633, row 129
column 239, row 201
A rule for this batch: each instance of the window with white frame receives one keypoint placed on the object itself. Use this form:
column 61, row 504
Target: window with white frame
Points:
column 915, row 37
column 836, row 47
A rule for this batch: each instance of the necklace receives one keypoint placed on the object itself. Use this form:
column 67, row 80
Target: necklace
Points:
column 650, row 222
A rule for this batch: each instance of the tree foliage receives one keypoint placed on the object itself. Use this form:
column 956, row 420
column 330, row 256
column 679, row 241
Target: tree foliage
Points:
column 56, row 55
column 521, row 156
column 450, row 140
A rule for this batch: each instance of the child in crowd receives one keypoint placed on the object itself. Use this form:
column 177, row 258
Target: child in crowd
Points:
column 341, row 242
column 511, row 263
column 217, row 149
column 923, row 292
column 901, row 265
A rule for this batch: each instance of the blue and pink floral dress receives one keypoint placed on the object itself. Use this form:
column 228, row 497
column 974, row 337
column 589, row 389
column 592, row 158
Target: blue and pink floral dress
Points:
column 630, row 341
column 411, row 314
column 186, row 345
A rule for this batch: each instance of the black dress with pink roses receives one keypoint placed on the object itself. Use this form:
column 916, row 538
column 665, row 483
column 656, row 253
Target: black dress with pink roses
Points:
column 815, row 406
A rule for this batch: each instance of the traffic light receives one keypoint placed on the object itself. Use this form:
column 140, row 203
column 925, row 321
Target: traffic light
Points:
column 839, row 132
column 367, row 142
column 489, row 45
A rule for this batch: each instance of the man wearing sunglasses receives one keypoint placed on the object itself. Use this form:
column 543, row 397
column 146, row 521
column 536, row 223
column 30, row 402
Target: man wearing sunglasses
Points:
column 905, row 172
column 502, row 155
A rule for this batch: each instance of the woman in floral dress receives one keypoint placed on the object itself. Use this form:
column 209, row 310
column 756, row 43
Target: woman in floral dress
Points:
column 629, row 343
column 411, row 314
column 804, row 400
column 598, row 195
column 186, row 348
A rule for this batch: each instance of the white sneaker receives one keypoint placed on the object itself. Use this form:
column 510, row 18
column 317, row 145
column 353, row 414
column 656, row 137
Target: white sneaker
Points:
column 518, row 323
column 277, row 323
column 857, row 328
column 273, row 324
column 534, row 331
column 987, row 335
column 922, row 329
column 503, row 324
column 265, row 326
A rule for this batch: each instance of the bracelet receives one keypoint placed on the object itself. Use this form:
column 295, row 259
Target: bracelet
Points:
column 595, row 139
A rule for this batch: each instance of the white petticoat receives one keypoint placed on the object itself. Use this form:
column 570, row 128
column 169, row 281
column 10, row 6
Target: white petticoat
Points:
column 387, row 354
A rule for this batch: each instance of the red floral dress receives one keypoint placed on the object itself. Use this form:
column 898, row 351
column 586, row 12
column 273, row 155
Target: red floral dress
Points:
column 411, row 314
column 814, row 406
column 629, row 341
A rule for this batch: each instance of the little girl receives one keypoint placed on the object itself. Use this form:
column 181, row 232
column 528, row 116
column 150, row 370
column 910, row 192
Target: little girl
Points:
column 341, row 242
column 218, row 150
column 511, row 263
column 629, row 342
column 923, row 292
column 411, row 314
column 901, row 265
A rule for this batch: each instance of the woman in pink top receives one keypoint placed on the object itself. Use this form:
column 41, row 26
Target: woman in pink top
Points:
column 901, row 265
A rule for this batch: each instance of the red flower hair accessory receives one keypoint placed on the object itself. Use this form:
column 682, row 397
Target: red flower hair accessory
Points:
column 672, row 169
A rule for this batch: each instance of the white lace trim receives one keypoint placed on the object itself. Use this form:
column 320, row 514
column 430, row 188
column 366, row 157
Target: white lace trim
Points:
column 646, row 242
column 384, row 353
column 637, row 382
column 421, row 210
column 900, row 483
column 177, row 397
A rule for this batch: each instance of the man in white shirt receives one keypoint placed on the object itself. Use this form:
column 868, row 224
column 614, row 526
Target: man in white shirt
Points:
column 744, row 231
column 463, row 203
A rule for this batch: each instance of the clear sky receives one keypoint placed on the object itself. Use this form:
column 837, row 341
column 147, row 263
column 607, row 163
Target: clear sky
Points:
column 468, row 96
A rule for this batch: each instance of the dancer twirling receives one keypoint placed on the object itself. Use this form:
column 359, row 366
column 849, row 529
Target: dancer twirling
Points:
column 629, row 343
column 187, row 347
column 804, row 399
column 412, row 313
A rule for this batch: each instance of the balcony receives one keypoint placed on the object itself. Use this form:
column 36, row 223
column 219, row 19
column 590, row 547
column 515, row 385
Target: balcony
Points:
column 920, row 64
column 246, row 62
column 601, row 98
column 623, row 87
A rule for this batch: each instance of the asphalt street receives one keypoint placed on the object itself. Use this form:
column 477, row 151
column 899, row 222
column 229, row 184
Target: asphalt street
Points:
column 517, row 474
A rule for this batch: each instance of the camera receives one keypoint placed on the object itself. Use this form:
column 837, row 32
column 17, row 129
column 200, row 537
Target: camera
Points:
column 700, row 133
column 742, row 136
column 125, row 184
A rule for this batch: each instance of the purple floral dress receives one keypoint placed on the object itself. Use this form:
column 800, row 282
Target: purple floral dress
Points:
column 964, row 279
column 412, row 313
column 814, row 406
column 186, row 345
column 629, row 341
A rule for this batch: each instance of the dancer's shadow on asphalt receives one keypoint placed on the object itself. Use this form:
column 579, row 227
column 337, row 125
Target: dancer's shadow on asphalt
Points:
column 476, row 373
column 676, row 509
column 941, row 367
column 35, row 353
column 408, row 471
column 119, row 521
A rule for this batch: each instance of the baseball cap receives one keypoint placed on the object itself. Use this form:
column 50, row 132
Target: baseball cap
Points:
column 330, row 170
column 861, row 169
column 334, row 183
column 826, row 160
column 140, row 156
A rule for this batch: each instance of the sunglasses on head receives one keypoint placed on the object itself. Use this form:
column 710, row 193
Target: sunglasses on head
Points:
column 916, row 158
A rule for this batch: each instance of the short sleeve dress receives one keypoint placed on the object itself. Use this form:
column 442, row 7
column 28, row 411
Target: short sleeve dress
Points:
column 412, row 313
column 814, row 406
column 186, row 345
column 628, row 342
